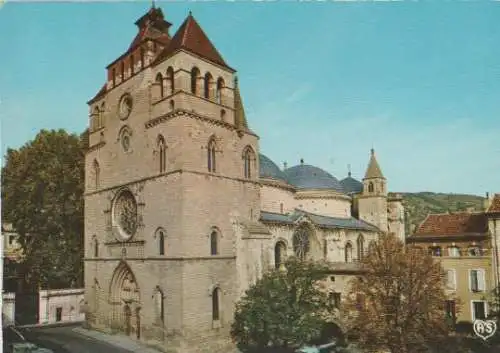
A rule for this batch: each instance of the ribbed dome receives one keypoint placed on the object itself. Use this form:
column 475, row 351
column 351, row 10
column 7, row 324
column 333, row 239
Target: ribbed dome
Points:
column 351, row 185
column 269, row 169
column 304, row 176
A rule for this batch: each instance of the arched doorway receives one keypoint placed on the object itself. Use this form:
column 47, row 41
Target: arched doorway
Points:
column 124, row 297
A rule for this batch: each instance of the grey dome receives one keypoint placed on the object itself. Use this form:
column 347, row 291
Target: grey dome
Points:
column 269, row 169
column 351, row 185
column 304, row 176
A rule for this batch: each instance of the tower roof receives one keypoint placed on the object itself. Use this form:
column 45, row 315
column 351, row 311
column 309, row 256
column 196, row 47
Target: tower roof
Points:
column 240, row 118
column 152, row 25
column 373, row 170
column 191, row 38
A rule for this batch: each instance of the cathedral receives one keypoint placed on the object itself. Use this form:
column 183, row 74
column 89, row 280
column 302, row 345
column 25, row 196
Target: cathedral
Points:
column 182, row 211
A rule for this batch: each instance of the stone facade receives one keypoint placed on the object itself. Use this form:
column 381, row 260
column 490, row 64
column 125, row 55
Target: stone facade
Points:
column 182, row 212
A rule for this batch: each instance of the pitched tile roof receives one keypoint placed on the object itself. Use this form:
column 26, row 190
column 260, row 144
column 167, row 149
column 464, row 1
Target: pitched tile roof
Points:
column 495, row 204
column 320, row 220
column 462, row 223
column 373, row 170
column 191, row 37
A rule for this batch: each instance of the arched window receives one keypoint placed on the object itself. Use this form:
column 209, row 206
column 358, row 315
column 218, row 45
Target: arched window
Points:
column 211, row 155
column 161, row 242
column 208, row 85
column 218, row 91
column 97, row 174
column 162, row 151
column 195, row 73
column 132, row 64
column 94, row 122
column 122, row 71
column 215, row 304
column 372, row 246
column 113, row 74
column 96, row 248
column 248, row 157
column 348, row 252
column 302, row 241
column 160, row 306
column 101, row 114
column 370, row 187
column 279, row 254
column 170, row 80
column 361, row 247
column 214, row 243
column 159, row 81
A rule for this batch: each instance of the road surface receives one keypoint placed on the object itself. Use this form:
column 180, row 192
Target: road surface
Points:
column 65, row 340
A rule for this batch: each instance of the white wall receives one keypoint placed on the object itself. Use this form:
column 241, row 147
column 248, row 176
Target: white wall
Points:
column 8, row 307
column 69, row 301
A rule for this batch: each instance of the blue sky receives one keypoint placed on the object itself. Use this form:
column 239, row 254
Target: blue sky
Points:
column 323, row 81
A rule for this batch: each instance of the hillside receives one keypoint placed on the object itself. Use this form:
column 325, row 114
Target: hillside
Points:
column 419, row 205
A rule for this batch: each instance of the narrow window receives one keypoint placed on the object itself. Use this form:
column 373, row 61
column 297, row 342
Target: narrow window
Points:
column 161, row 242
column 122, row 70
column 194, row 80
column 247, row 165
column 113, row 73
column 160, row 307
column 479, row 310
column 348, row 252
column 218, row 91
column 208, row 85
column 451, row 311
column 142, row 58
column 97, row 174
column 96, row 248
column 370, row 187
column 279, row 254
column 215, row 304
column 162, row 151
column 214, row 243
column 159, row 81
column 325, row 248
column 281, row 207
column 132, row 63
column 170, row 80
column 361, row 247
column 211, row 156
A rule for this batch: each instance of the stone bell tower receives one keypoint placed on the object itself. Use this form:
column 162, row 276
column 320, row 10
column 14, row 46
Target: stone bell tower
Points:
column 372, row 203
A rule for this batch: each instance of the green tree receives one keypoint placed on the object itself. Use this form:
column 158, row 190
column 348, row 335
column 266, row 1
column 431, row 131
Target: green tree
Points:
column 399, row 302
column 42, row 197
column 283, row 310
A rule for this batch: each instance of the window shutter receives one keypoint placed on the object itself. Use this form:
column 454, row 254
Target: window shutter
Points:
column 481, row 280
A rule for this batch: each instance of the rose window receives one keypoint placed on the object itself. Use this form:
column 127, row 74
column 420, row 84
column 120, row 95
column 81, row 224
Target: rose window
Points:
column 125, row 214
column 301, row 242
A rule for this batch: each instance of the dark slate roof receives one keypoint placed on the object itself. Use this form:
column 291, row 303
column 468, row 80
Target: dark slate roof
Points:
column 319, row 220
column 305, row 176
column 269, row 169
column 351, row 185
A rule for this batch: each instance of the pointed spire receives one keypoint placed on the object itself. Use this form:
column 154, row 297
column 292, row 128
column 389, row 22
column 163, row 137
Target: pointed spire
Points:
column 240, row 118
column 373, row 170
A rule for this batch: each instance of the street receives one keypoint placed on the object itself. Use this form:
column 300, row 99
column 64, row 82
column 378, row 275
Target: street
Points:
column 66, row 340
